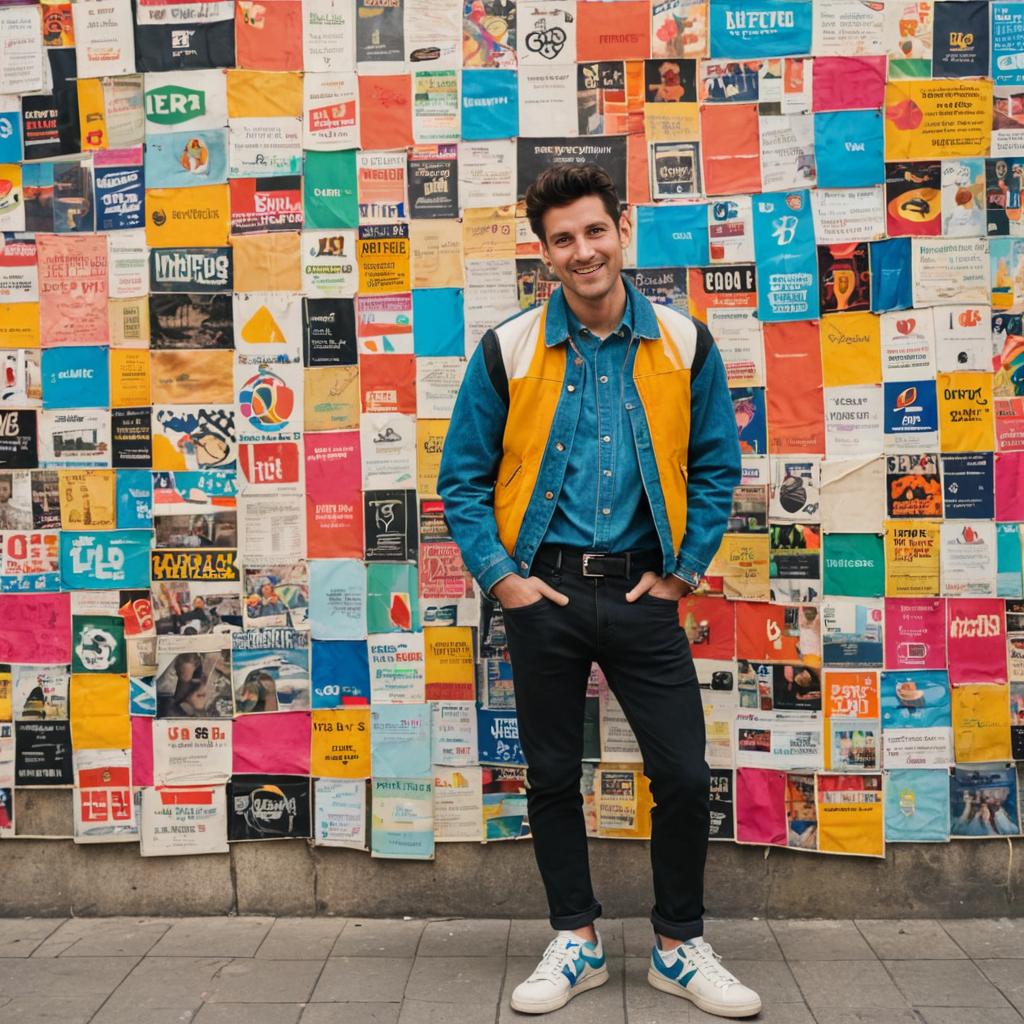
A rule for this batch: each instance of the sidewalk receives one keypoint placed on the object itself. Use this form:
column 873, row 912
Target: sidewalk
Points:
column 260, row 970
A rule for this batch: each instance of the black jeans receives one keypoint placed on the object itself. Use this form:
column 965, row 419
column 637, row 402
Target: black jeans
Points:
column 645, row 655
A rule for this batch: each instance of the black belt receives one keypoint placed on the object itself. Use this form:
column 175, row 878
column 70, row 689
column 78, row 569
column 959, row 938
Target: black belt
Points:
column 599, row 563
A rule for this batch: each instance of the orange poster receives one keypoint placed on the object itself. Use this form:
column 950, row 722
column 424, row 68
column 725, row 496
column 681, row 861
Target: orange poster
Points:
column 388, row 383
column 795, row 407
column 268, row 36
column 385, row 111
column 613, row 31
column 73, row 289
column 731, row 143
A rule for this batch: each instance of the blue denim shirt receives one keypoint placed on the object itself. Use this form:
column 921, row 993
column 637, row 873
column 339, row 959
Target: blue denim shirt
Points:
column 603, row 506
column 474, row 445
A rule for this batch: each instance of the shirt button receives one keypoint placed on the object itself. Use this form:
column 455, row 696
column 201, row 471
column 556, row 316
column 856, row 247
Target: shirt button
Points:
column 578, row 361
column 571, row 387
column 606, row 511
column 606, row 438
column 604, row 378
column 629, row 405
column 524, row 565
column 607, row 472
column 549, row 495
column 559, row 447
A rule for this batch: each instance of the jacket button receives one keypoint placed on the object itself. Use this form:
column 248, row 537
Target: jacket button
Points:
column 559, row 447
column 629, row 405
column 524, row 565
column 549, row 495
column 571, row 387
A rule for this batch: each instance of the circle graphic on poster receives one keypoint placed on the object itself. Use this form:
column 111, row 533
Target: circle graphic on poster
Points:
column 266, row 401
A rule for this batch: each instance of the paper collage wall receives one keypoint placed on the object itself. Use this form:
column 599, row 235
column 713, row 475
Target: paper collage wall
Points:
column 247, row 248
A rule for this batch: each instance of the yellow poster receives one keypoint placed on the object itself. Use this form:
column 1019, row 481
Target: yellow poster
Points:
column 981, row 723
column 437, row 260
column 193, row 376
column 331, row 394
column 129, row 322
column 19, row 325
column 99, row 712
column 851, row 349
column 429, row 446
column 88, row 499
column 341, row 744
column 129, row 378
column 264, row 93
column 197, row 216
column 5, row 693
column 742, row 564
column 672, row 122
column 912, row 558
column 383, row 254
column 450, row 670
column 622, row 802
column 268, row 262
column 965, row 411
column 850, row 814
column 489, row 233
column 92, row 114
column 935, row 119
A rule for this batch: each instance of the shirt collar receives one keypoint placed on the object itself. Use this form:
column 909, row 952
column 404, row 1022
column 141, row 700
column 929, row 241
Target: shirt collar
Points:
column 638, row 316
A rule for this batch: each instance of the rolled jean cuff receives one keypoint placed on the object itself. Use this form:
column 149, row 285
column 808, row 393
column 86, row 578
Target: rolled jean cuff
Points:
column 681, row 930
column 570, row 922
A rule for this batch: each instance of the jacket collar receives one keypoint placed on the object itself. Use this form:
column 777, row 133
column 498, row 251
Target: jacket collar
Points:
column 556, row 320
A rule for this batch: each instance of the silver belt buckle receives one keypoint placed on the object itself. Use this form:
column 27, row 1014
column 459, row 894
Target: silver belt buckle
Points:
column 587, row 556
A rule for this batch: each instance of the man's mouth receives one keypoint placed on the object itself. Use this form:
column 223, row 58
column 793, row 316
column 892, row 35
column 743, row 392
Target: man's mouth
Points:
column 587, row 271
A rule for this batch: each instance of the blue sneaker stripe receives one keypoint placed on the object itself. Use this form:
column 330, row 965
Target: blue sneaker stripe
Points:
column 672, row 972
column 687, row 977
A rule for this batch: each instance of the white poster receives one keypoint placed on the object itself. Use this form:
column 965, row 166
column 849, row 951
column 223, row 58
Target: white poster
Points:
column 21, row 55
column 548, row 102
column 487, row 173
column 387, row 443
column 908, row 344
column 104, row 39
column 261, row 147
column 848, row 215
column 950, row 270
column 271, row 528
column 458, row 805
column 433, row 32
column 968, row 558
column 328, row 35
column 853, row 422
column 339, row 813
column 787, row 151
column 438, row 380
column 184, row 821
column 546, row 33
column 330, row 118
column 848, row 28
column 189, row 753
column 790, row 740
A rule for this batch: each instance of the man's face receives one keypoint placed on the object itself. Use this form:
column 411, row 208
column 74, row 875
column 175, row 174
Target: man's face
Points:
column 584, row 247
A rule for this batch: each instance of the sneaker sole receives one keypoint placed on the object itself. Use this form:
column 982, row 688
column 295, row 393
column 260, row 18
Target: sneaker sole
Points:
column 707, row 1005
column 598, row 978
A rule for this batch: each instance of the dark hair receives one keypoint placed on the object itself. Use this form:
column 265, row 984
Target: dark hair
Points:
column 562, row 184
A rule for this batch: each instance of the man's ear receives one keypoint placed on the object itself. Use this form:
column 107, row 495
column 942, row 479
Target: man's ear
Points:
column 625, row 228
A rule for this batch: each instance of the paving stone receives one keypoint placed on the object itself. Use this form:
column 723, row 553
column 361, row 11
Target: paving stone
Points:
column 370, row 937
column 742, row 940
column 483, row 937
column 362, row 979
column 251, row 1013
column 821, row 940
column 985, row 938
column 955, row 1015
column 530, row 937
column 158, row 986
column 780, row 1013
column 265, row 981
column 301, row 938
column 415, row 1012
column 70, row 990
column 456, row 979
column 637, row 936
column 351, row 1013
column 213, row 937
column 104, row 936
column 602, row 1005
column 19, row 937
column 910, row 940
column 845, row 983
column 772, row 980
column 1008, row 976
column 857, row 1016
column 944, row 983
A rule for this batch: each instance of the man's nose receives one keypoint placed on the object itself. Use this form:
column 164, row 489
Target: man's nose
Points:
column 584, row 250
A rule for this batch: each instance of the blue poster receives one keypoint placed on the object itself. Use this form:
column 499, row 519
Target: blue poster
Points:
column 742, row 29
column 134, row 499
column 849, row 148
column 76, row 377
column 672, row 236
column 400, row 740
column 490, row 104
column 437, row 314
column 890, row 275
column 498, row 737
column 983, row 802
column 917, row 805
column 968, row 486
column 105, row 560
column 337, row 599
column 340, row 672
column 1008, row 43
column 120, row 198
column 787, row 260
column 184, row 159
column 751, row 419
column 10, row 136
column 1009, row 556
column 916, row 699
column 911, row 408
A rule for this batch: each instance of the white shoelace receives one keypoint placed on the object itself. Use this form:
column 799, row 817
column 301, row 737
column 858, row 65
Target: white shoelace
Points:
column 560, row 950
column 709, row 963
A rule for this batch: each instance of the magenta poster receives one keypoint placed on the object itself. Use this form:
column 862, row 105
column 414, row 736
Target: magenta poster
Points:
column 915, row 634
column 1009, row 486
column 760, row 806
column 142, row 751
column 976, row 639
column 275, row 743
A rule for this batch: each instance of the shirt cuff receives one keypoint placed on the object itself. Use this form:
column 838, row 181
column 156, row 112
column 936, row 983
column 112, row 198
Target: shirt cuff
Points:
column 689, row 570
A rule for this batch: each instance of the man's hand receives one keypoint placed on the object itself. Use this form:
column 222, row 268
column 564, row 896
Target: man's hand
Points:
column 670, row 588
column 516, row 592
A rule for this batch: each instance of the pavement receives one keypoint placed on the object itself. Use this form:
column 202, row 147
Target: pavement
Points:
column 326, row 970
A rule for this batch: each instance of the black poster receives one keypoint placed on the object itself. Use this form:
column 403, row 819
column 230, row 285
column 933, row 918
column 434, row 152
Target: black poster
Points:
column 45, row 499
column 721, row 804
column 534, row 155
column 49, row 121
column 268, row 807
column 329, row 332
column 184, row 45
column 42, row 754
column 433, row 182
column 191, row 321
column 380, row 30
column 960, row 39
column 390, row 524
column 18, row 434
column 131, row 438
column 191, row 270
column 968, row 486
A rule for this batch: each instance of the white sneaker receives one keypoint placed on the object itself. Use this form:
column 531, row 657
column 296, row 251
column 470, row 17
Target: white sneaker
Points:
column 692, row 970
column 569, row 966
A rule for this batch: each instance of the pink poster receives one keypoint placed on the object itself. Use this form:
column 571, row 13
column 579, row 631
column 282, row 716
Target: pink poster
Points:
column 37, row 628
column 915, row 633
column 760, row 806
column 848, row 83
column 273, row 743
column 142, row 751
column 976, row 639
column 334, row 499
column 73, row 289
column 1009, row 486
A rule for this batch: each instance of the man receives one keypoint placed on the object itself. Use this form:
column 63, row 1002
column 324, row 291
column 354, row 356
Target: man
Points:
column 587, row 478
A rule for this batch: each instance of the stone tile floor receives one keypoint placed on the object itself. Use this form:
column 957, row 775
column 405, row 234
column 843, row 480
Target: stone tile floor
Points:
column 262, row 970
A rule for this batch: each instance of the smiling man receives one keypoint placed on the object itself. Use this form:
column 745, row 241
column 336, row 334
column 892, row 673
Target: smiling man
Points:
column 587, row 478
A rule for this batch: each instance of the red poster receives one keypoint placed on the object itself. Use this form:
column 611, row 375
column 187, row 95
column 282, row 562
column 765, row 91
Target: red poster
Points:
column 613, row 31
column 73, row 289
column 763, row 633
column 388, row 383
column 710, row 624
column 848, row 83
column 334, row 501
column 976, row 640
column 731, row 148
column 385, row 111
column 796, row 413
column 268, row 35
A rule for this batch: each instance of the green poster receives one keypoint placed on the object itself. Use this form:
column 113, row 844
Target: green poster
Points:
column 854, row 565
column 329, row 198
column 392, row 604
column 97, row 644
